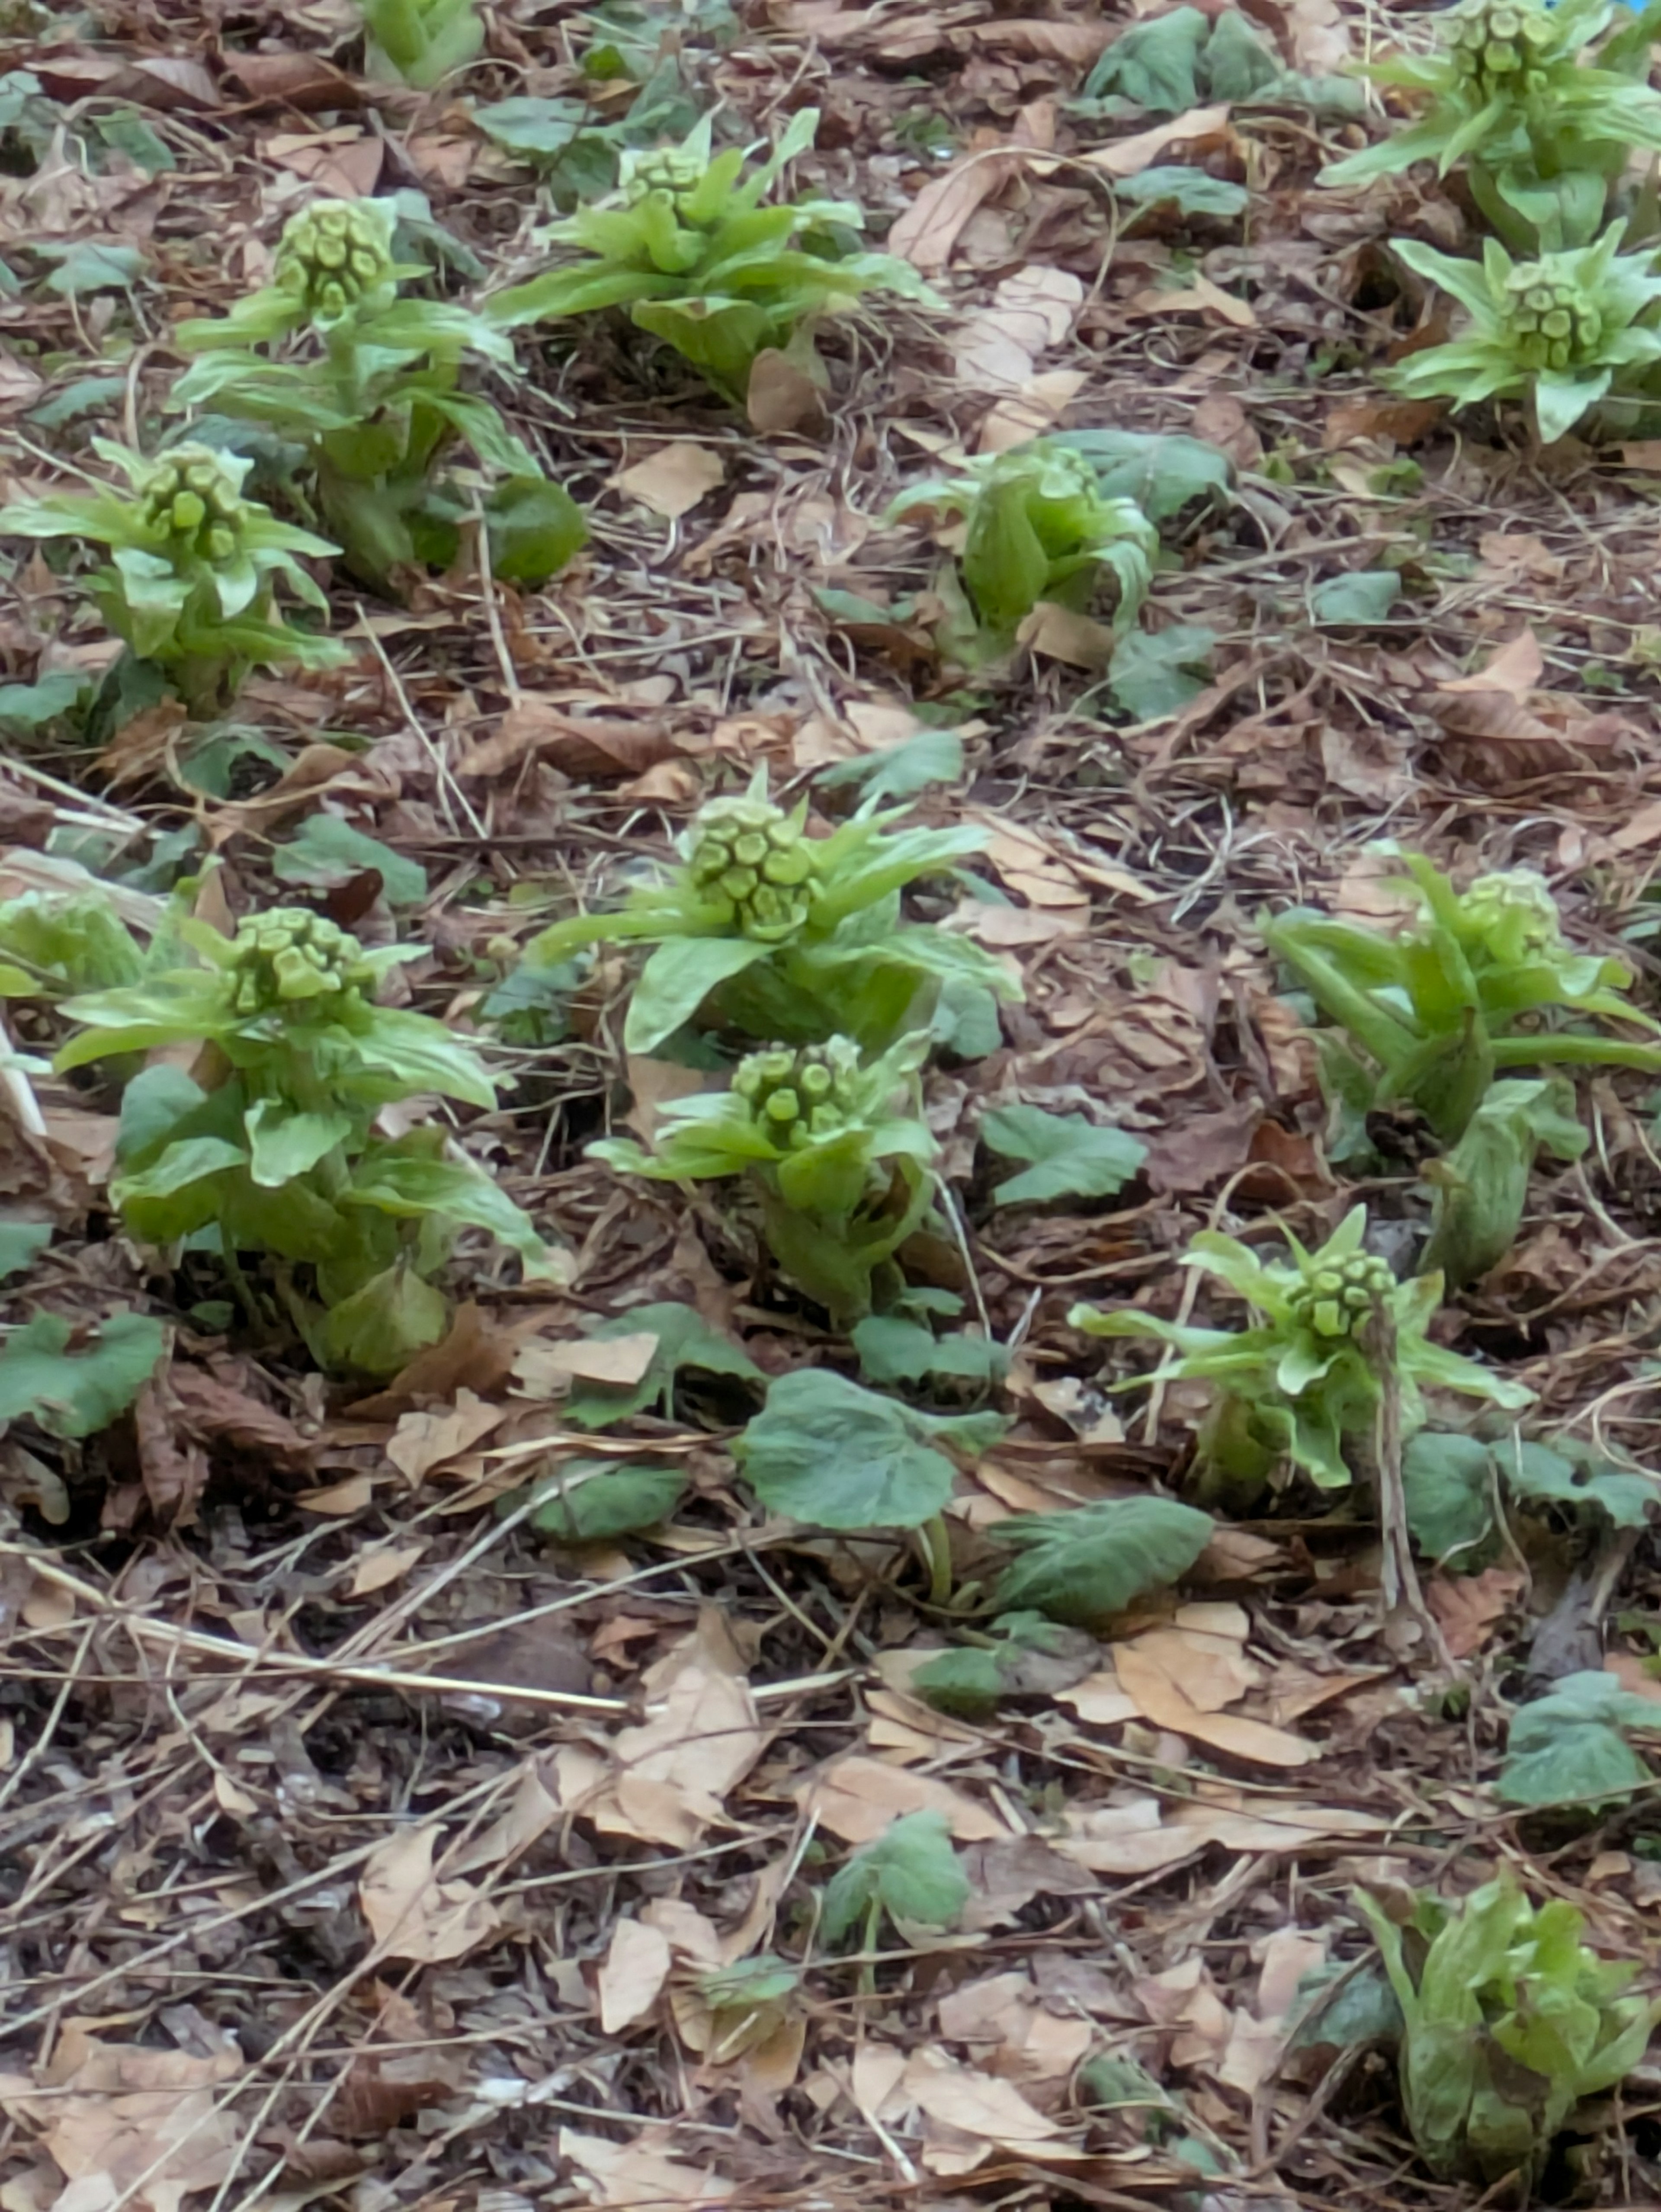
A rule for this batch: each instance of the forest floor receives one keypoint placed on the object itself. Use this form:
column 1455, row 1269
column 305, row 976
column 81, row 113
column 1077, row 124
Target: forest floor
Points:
column 358, row 1845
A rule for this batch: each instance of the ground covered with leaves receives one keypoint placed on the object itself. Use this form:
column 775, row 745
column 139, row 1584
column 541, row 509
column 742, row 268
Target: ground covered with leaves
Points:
column 394, row 1812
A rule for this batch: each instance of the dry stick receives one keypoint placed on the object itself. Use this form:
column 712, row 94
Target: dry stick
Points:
column 510, row 683
column 449, row 791
column 1399, row 1577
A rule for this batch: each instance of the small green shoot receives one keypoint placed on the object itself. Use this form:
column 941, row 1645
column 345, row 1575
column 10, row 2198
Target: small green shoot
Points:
column 420, row 42
column 909, row 1874
column 1481, row 1185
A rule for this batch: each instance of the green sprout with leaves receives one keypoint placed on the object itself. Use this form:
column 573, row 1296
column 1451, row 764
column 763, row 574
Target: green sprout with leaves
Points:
column 1467, row 989
column 909, row 1874
column 1511, row 2021
column 194, row 568
column 835, row 1150
column 688, row 247
column 1562, row 333
column 1307, row 1381
column 420, row 42
column 369, row 398
column 774, row 934
column 1545, row 127
column 271, row 1147
column 1036, row 527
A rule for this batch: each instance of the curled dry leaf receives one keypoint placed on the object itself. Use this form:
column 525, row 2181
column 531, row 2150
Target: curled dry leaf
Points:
column 412, row 1913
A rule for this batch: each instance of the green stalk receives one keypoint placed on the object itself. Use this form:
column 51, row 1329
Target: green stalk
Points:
column 935, row 1544
column 1381, row 1034
column 1575, row 1048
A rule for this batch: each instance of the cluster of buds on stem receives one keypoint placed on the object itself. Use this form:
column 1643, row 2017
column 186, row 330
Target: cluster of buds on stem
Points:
column 672, row 169
column 1502, row 46
column 754, row 858
column 1336, row 1298
column 796, row 1099
column 192, row 498
column 1513, row 913
column 1551, row 322
column 334, row 254
column 289, row 956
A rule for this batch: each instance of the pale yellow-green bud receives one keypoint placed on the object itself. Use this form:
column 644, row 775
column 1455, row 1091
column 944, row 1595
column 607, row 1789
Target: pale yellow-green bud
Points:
column 191, row 498
column 289, row 956
column 751, row 858
column 1337, row 1297
column 798, row 1097
column 334, row 254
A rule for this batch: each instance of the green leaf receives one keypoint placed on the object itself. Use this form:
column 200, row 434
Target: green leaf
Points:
column 1448, row 1483
column 535, row 528
column 902, row 770
column 325, row 852
column 590, row 1501
column 969, row 1682
column 678, row 979
column 1161, row 470
column 1071, row 1157
column 76, row 1394
column 1364, row 596
column 1154, row 64
column 20, row 1243
column 1154, row 673
column 684, row 1341
column 380, row 1329
column 32, row 706
column 1085, row 1566
column 826, row 1452
column 893, row 1350
column 1577, row 1475
column 910, row 1873
column 1190, row 192
column 282, row 1145
column 90, row 264
column 539, row 129
column 1570, row 1748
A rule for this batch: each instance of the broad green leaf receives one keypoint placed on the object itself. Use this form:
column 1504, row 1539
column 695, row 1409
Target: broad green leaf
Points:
column 677, row 979
column 1448, row 1483
column 1190, row 192
column 1157, row 672
column 32, row 706
column 893, row 1350
column 283, row 1146
column 1085, row 1566
column 413, row 1184
column 326, row 852
column 1364, row 596
column 1570, row 1748
column 89, row 265
column 969, row 1681
column 589, row 1501
column 76, row 1394
column 535, row 528
column 1071, row 1157
column 902, row 770
column 1577, row 1476
column 21, row 1244
column 380, row 1328
column 684, row 1341
column 910, row 1873
column 540, row 129
column 1154, row 64
column 1162, row 471
column 826, row 1452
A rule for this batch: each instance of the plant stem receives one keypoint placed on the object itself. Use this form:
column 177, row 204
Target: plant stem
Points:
column 936, row 1546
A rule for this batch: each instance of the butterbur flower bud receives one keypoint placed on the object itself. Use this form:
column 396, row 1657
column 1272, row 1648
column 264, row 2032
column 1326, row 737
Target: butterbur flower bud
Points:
column 669, row 169
column 1336, row 1298
column 1513, row 913
column 1499, row 43
column 1551, row 321
column 334, row 254
column 193, row 497
column 798, row 1097
column 753, row 858
column 289, row 956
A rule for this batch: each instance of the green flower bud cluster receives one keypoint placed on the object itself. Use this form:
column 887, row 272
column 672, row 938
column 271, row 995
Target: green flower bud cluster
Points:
column 290, row 956
column 670, row 169
column 334, row 253
column 194, row 500
column 1334, row 1298
column 1513, row 912
column 1551, row 322
column 797, row 1097
column 1501, row 45
column 753, row 858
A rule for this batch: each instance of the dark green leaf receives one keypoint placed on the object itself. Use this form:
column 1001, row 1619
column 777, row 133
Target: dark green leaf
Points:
column 1162, row 471
column 589, row 1501
column 32, row 706
column 21, row 1242
column 1448, row 1482
column 969, row 1682
column 900, row 771
column 1071, row 1157
column 538, row 127
column 89, row 264
column 827, row 1452
column 1153, row 64
column 1364, row 596
column 1190, row 192
column 893, row 1350
column 536, row 528
column 910, row 1873
column 1569, row 1747
column 1156, row 673
column 76, row 1394
column 1085, row 1566
column 684, row 1339
column 325, row 852
column 85, row 395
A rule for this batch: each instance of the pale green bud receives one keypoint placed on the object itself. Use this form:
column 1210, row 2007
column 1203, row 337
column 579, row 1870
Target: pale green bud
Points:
column 191, row 498
column 752, row 857
column 335, row 254
column 797, row 1096
column 290, row 957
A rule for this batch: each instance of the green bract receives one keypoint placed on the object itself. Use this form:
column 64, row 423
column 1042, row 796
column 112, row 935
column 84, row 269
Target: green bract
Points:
column 1563, row 330
column 774, row 933
column 271, row 1147
column 836, row 1152
column 369, row 394
column 1038, row 528
column 1465, row 989
column 686, row 246
column 420, row 42
column 1511, row 2021
column 1308, row 1376
column 1546, row 130
column 194, row 567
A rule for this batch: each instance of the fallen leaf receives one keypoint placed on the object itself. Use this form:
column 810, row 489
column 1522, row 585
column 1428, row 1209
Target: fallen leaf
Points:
column 986, row 2114
column 632, row 1976
column 382, row 1564
column 1469, row 1607
column 673, row 479
column 425, row 1440
column 857, row 1797
column 639, row 2176
column 781, row 396
column 1515, row 669
column 1128, row 157
column 1147, row 1676
column 412, row 1913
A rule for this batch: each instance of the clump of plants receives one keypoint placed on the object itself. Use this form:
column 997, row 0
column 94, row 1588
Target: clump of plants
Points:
column 1475, row 985
column 1561, row 332
column 771, row 933
column 1036, row 526
column 1304, row 1383
column 1511, row 2023
column 268, row 1149
column 420, row 42
column 366, row 403
column 688, row 246
column 1543, row 107
column 834, row 1150
column 193, row 580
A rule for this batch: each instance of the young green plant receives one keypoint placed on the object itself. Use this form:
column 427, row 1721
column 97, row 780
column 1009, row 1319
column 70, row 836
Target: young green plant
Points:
column 369, row 397
column 1470, row 987
column 271, row 1146
column 1511, row 2021
column 1036, row 526
column 688, row 247
column 767, row 933
column 909, row 1874
column 420, row 42
column 835, row 1152
column 1545, row 127
column 194, row 568
column 1307, row 1381
column 1562, row 333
